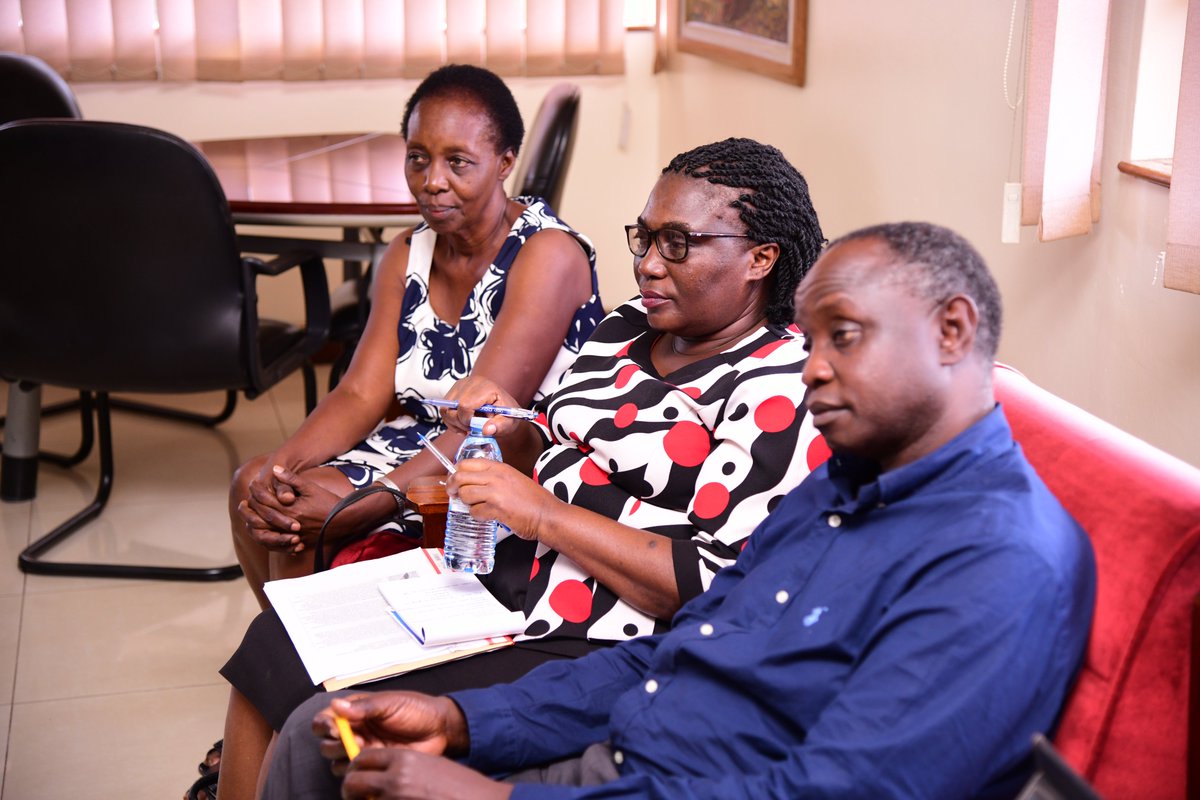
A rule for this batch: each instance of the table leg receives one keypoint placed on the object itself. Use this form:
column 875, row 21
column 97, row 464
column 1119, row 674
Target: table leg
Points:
column 351, row 270
column 18, row 464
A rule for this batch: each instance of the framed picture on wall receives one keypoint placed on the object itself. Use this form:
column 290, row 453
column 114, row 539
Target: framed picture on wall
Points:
column 764, row 36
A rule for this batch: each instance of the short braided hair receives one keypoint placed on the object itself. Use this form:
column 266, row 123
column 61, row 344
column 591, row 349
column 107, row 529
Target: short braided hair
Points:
column 483, row 87
column 935, row 263
column 774, row 205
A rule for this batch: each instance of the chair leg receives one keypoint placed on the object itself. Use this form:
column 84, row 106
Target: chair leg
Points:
column 145, row 408
column 310, row 386
column 84, row 405
column 52, row 409
column 30, row 561
column 183, row 416
column 86, row 438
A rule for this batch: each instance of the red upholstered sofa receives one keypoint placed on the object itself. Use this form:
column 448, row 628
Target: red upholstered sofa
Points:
column 1126, row 724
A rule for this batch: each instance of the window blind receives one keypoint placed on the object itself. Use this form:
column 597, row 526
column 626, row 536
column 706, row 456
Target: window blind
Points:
column 246, row 40
column 1182, row 267
column 1064, row 115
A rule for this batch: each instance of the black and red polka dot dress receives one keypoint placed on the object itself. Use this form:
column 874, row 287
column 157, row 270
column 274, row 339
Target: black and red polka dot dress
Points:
column 700, row 455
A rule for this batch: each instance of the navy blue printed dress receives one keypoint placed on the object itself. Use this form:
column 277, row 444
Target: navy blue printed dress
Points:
column 434, row 354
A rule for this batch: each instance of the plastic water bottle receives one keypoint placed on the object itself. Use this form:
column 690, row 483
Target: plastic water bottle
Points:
column 471, row 543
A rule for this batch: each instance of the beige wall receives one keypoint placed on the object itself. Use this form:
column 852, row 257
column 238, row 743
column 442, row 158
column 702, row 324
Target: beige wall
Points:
column 612, row 171
column 902, row 117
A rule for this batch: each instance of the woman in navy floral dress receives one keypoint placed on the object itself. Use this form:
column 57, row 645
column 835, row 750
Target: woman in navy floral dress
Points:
column 486, row 284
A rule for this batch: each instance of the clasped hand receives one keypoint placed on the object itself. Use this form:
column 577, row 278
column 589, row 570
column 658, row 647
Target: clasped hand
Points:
column 285, row 510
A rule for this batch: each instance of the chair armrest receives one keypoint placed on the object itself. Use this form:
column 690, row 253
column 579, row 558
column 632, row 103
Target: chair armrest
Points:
column 282, row 263
column 316, row 286
column 427, row 496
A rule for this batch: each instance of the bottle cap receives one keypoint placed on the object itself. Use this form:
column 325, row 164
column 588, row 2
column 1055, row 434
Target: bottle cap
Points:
column 477, row 424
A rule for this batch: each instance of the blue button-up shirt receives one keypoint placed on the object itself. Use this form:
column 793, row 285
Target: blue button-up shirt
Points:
column 882, row 635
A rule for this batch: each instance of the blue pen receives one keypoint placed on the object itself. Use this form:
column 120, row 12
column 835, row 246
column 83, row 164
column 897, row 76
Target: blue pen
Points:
column 420, row 637
column 503, row 411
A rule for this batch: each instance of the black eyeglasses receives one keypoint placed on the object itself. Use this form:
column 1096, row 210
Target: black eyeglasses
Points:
column 672, row 243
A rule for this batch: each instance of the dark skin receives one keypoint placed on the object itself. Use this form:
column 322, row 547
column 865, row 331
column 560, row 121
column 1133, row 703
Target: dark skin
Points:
column 714, row 298
column 864, row 330
column 280, row 500
column 710, row 301
column 403, row 736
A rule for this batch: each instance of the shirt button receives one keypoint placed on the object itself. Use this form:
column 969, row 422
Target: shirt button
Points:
column 835, row 521
column 781, row 596
column 706, row 629
column 618, row 757
column 651, row 686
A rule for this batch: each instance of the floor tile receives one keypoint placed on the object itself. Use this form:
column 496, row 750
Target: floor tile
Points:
column 109, row 688
column 116, row 747
column 154, row 457
column 5, row 721
column 10, row 631
column 14, row 535
column 190, row 532
column 138, row 637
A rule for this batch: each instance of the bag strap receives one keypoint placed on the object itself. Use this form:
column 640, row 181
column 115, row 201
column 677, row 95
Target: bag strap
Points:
column 347, row 501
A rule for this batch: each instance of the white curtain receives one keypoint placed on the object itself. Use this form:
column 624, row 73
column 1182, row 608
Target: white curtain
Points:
column 239, row 40
column 1064, row 116
column 1182, row 269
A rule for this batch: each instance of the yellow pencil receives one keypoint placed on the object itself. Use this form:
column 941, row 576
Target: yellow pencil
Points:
column 348, row 740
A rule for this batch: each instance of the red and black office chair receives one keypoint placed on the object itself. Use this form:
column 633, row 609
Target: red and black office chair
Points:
column 121, row 273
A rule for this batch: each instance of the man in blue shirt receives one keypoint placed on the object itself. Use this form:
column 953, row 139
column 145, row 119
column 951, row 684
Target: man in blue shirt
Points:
column 899, row 626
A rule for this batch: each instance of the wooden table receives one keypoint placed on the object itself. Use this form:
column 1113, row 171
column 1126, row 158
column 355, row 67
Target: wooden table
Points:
column 352, row 181
column 427, row 496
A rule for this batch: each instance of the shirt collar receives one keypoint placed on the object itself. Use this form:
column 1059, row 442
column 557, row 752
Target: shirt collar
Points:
column 859, row 482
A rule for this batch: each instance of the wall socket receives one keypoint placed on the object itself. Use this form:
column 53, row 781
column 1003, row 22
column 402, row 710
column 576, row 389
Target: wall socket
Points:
column 1010, row 218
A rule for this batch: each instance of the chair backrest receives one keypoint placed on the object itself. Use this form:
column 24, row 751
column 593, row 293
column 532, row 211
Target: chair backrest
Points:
column 120, row 270
column 1125, row 727
column 546, row 155
column 33, row 89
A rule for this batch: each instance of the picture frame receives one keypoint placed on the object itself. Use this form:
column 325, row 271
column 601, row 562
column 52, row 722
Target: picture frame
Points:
column 763, row 36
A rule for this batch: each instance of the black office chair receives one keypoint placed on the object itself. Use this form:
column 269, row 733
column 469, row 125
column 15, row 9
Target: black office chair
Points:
column 549, row 144
column 541, row 172
column 33, row 89
column 120, row 272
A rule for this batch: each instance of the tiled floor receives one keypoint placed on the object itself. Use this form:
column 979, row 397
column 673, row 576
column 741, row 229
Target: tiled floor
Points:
column 109, row 688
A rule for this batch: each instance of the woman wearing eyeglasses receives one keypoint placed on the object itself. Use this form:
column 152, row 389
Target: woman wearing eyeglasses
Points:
column 678, row 427
column 679, row 423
